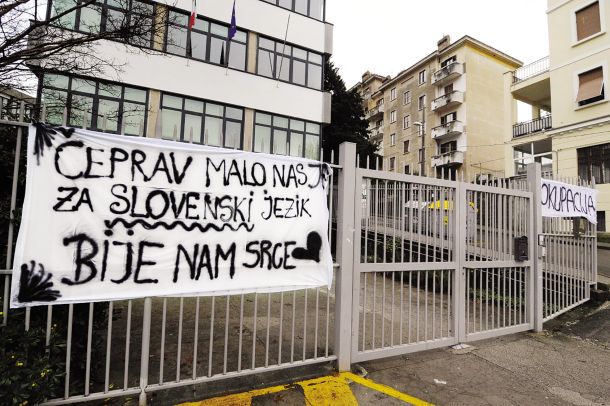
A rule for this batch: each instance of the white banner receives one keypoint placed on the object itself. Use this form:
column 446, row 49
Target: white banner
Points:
column 560, row 199
column 110, row 217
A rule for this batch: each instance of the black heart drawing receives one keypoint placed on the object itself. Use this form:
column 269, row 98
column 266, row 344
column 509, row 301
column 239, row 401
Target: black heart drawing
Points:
column 312, row 252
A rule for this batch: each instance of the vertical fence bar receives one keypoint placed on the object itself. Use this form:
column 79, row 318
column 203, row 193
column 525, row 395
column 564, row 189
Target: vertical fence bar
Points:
column 534, row 177
column 345, row 254
column 145, row 350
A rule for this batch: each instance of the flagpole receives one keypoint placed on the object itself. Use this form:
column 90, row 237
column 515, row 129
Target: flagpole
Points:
column 231, row 33
column 283, row 50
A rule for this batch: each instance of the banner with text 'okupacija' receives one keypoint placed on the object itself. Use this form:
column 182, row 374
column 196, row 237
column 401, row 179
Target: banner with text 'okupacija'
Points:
column 109, row 217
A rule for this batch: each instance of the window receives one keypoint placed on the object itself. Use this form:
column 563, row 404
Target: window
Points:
column 406, row 97
column 379, row 123
column 289, row 64
column 393, row 94
column 449, row 88
column 594, row 162
column 601, row 221
column 539, row 151
column 406, row 122
column 109, row 16
column 590, row 87
column 422, row 77
column 405, row 146
column 448, row 118
column 421, row 155
column 588, row 21
column 407, row 169
column 206, row 41
column 201, row 122
column 286, row 136
column 448, row 147
column 392, row 139
column 311, row 8
column 393, row 116
column 380, row 102
column 448, row 61
column 421, row 102
column 96, row 105
column 392, row 163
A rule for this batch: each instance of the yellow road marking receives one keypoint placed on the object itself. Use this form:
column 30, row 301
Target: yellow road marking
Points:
column 327, row 390
column 385, row 389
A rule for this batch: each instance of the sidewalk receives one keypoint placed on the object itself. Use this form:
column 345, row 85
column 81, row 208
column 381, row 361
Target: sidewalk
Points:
column 568, row 364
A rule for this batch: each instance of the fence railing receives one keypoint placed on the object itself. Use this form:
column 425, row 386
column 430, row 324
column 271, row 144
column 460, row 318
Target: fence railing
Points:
column 532, row 126
column 531, row 70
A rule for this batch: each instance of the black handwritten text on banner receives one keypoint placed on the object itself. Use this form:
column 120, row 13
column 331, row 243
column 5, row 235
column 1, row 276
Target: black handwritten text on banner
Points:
column 108, row 217
column 560, row 199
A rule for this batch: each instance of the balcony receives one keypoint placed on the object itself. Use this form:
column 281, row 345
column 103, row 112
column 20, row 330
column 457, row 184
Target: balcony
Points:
column 375, row 111
column 447, row 73
column 533, row 69
column 448, row 101
column 532, row 126
column 451, row 158
column 449, row 129
column 376, row 134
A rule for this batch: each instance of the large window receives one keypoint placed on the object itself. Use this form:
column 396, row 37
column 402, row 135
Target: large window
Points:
column 201, row 122
column 289, row 63
column 590, row 87
column 110, row 16
column 96, row 105
column 311, row 8
column 206, row 41
column 286, row 136
column 594, row 162
column 587, row 21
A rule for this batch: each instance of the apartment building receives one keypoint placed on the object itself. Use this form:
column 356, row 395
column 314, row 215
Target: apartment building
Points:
column 444, row 115
column 265, row 95
column 570, row 130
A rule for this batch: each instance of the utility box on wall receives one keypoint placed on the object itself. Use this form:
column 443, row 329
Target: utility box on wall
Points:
column 521, row 249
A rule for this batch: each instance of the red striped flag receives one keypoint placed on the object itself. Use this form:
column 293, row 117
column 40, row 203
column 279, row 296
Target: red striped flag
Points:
column 193, row 14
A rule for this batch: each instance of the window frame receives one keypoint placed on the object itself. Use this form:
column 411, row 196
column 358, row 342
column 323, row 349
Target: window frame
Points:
column 602, row 22
column 595, row 154
column 406, row 119
column 272, row 127
column 290, row 57
column 421, row 77
column 600, row 99
column 406, row 146
column 393, row 116
column 393, row 139
column 406, row 97
column 188, row 51
column 203, row 115
column 393, row 94
column 420, row 105
column 308, row 15
column 96, row 97
column 392, row 164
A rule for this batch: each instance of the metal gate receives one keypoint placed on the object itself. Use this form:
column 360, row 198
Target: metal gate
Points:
column 434, row 263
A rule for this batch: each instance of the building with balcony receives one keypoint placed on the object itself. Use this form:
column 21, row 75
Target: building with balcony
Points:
column 444, row 115
column 569, row 133
column 261, row 91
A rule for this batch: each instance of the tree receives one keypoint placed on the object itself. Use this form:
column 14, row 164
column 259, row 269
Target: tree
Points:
column 64, row 40
column 347, row 119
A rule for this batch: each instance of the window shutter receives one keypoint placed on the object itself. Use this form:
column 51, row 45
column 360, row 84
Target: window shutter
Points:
column 590, row 84
column 587, row 21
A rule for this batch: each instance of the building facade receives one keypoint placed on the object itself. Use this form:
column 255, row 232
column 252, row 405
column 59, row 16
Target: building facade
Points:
column 443, row 116
column 264, row 95
column 570, row 130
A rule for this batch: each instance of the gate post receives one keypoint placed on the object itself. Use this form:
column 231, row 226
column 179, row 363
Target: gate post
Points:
column 462, row 235
column 345, row 254
column 534, row 180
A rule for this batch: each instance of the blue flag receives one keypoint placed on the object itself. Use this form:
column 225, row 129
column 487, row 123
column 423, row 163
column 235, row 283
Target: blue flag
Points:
column 233, row 26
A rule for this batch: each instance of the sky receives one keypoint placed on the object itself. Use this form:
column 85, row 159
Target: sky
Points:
column 387, row 36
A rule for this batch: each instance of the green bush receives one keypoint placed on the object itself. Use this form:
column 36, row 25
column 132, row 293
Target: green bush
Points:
column 30, row 372
column 603, row 237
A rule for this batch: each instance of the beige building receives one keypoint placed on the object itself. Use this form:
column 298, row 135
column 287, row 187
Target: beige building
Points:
column 570, row 130
column 444, row 115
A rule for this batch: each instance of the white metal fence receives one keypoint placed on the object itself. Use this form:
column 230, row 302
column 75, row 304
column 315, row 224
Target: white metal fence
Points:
column 420, row 263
